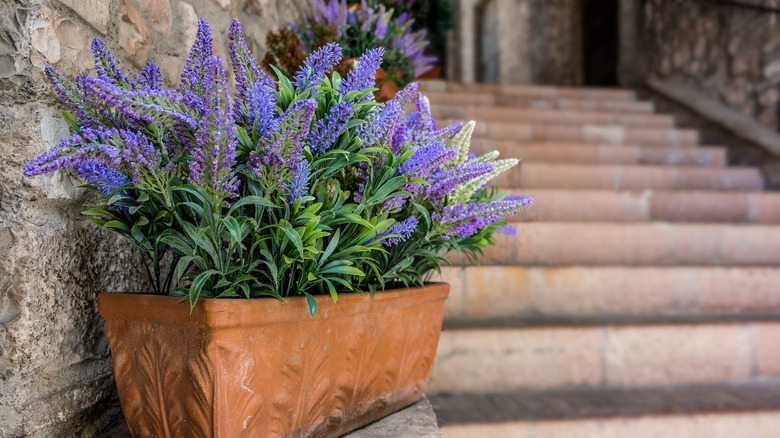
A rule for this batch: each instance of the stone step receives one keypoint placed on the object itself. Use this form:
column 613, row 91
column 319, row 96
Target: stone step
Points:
column 629, row 177
column 552, row 103
column 542, row 116
column 558, row 205
column 595, row 153
column 528, row 90
column 701, row 411
column 612, row 134
column 627, row 244
column 605, row 355
column 498, row 292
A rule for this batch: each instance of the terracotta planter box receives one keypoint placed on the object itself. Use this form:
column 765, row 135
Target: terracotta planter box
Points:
column 261, row 368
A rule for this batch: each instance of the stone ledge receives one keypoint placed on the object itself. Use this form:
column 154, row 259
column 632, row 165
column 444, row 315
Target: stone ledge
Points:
column 418, row 420
column 739, row 124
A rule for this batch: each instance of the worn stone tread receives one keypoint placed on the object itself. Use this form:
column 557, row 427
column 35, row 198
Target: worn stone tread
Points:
column 568, row 404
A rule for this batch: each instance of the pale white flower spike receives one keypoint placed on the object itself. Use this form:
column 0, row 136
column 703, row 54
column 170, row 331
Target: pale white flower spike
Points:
column 462, row 141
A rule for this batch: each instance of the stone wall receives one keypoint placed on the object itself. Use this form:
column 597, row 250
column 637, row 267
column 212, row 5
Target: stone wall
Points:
column 730, row 54
column 55, row 375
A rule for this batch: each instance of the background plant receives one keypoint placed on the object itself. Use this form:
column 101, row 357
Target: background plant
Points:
column 298, row 186
column 363, row 27
column 436, row 17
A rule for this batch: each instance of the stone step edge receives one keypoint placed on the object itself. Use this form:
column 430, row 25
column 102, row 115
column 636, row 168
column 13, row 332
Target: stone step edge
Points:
column 591, row 403
column 636, row 320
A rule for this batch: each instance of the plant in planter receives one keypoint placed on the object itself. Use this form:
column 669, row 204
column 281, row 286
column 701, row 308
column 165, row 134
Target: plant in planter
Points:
column 362, row 27
column 436, row 17
column 295, row 189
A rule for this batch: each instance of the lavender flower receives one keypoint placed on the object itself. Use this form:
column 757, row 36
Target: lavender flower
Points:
column 317, row 66
column 150, row 77
column 261, row 103
column 139, row 157
column 364, row 74
column 403, row 230
column 276, row 159
column 383, row 125
column 426, row 159
column 508, row 230
column 108, row 67
column 105, row 180
column 74, row 96
column 244, row 66
column 150, row 106
column 330, row 127
column 215, row 154
column 300, row 183
column 443, row 182
column 196, row 67
column 464, row 220
column 74, row 151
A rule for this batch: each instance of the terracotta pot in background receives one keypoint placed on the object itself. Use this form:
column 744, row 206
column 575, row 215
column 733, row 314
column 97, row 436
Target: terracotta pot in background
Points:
column 387, row 88
column 261, row 368
column 434, row 73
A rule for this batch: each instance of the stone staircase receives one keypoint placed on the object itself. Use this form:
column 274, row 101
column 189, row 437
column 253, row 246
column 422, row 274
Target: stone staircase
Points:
column 641, row 294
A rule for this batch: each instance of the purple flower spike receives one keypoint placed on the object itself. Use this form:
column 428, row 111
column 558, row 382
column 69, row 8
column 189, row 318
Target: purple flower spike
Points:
column 261, row 102
column 403, row 230
column 150, row 77
column 300, row 182
column 215, row 154
column 363, row 76
column 464, row 220
column 443, row 182
column 108, row 67
column 316, row 66
column 197, row 61
column 74, row 96
column 105, row 180
column 244, row 67
column 329, row 128
column 277, row 157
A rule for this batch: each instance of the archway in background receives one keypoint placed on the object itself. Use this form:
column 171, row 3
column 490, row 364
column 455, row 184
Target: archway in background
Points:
column 600, row 31
column 487, row 44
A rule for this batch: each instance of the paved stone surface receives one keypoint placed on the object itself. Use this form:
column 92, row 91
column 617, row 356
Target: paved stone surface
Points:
column 571, row 404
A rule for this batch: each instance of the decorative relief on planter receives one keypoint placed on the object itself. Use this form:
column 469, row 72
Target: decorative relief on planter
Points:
column 256, row 368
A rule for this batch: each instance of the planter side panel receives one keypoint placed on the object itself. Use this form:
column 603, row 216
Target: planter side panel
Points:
column 357, row 361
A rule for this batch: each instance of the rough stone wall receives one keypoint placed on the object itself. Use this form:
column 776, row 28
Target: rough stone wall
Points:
column 728, row 53
column 55, row 371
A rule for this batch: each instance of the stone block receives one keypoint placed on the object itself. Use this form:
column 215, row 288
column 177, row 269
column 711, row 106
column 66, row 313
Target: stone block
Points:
column 94, row 12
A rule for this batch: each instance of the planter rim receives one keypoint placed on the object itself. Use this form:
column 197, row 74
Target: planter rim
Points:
column 216, row 313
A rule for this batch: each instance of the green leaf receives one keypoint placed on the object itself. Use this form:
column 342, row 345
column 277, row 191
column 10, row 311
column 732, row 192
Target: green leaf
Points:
column 197, row 285
column 312, row 304
column 254, row 200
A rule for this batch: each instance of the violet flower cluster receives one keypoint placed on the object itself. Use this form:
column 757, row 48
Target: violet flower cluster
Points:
column 288, row 186
column 370, row 26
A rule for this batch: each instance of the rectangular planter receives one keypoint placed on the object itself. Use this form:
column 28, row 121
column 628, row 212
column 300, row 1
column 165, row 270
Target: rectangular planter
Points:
column 262, row 368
